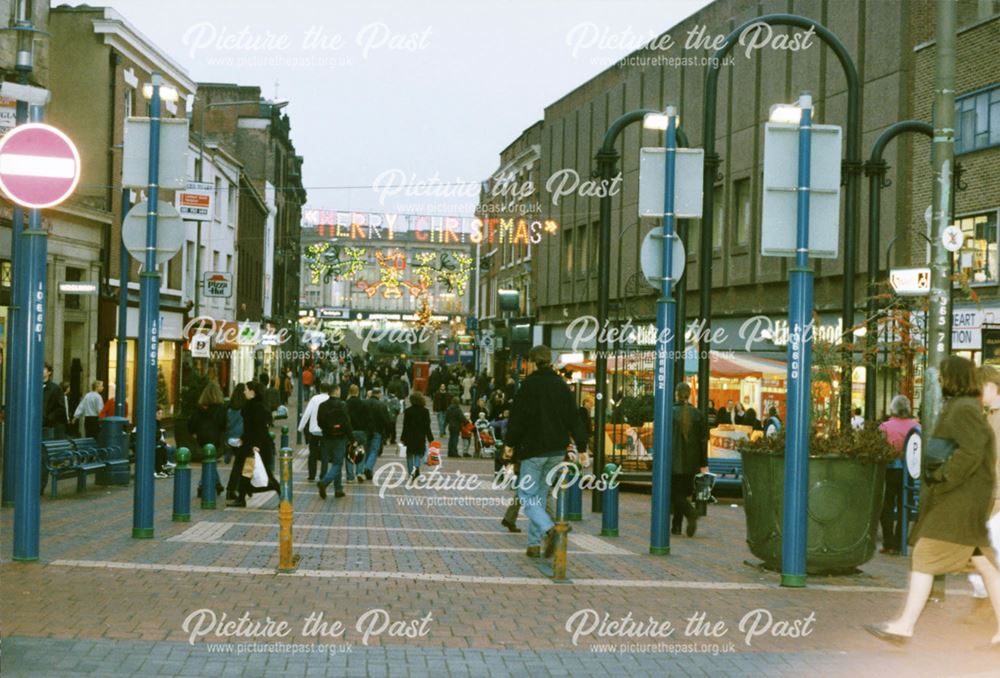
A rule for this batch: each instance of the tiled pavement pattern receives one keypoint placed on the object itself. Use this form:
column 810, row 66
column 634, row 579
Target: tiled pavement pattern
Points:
column 101, row 603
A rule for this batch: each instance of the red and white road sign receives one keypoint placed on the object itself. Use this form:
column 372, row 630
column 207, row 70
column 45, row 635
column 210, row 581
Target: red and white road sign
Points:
column 39, row 165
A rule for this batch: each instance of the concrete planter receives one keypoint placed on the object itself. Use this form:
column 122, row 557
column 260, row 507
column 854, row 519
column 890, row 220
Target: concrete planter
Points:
column 845, row 499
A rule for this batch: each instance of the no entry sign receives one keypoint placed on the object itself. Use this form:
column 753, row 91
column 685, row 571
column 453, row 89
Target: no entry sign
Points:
column 39, row 165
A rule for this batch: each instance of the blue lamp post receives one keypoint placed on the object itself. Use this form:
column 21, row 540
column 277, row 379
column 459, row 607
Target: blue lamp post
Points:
column 148, row 341
column 663, row 395
column 27, row 434
column 793, row 546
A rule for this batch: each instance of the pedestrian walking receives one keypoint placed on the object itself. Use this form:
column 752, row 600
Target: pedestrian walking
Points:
column 857, row 420
column 990, row 378
column 336, row 434
column 209, row 422
column 455, row 420
column 416, row 433
column 256, row 439
column 895, row 430
column 441, row 403
column 309, row 425
column 234, row 437
column 690, row 456
column 542, row 422
column 378, row 415
column 773, row 423
column 362, row 427
column 89, row 410
column 957, row 497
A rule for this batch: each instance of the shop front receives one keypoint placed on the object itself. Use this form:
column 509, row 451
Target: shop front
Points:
column 168, row 360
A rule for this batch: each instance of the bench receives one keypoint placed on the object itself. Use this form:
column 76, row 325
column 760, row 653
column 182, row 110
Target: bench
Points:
column 729, row 473
column 109, row 458
column 62, row 461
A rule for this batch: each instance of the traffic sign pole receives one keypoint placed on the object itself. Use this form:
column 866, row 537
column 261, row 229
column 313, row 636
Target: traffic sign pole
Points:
column 148, row 340
column 12, row 405
column 28, row 435
column 121, row 387
column 793, row 546
column 663, row 395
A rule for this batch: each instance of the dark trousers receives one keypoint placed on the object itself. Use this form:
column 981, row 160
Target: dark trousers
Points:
column 453, row 434
column 91, row 427
column 681, row 485
column 317, row 453
column 891, row 508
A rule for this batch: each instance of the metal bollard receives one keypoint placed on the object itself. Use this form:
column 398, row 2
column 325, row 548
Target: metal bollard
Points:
column 287, row 560
column 562, row 533
column 609, row 518
column 182, row 487
column 574, row 497
column 208, row 476
column 284, row 437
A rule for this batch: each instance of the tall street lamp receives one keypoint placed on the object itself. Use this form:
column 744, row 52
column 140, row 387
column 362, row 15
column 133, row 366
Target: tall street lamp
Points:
column 148, row 339
column 876, row 169
column 852, row 166
column 607, row 166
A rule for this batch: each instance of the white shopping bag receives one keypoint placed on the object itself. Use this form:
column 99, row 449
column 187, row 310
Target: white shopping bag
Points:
column 402, row 450
column 259, row 472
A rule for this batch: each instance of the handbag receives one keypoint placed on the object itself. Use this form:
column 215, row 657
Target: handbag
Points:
column 402, row 450
column 248, row 466
column 259, row 478
column 939, row 451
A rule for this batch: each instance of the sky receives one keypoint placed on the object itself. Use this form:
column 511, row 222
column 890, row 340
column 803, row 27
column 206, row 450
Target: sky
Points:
column 384, row 93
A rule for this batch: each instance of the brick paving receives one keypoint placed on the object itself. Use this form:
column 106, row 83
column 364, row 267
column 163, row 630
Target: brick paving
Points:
column 102, row 603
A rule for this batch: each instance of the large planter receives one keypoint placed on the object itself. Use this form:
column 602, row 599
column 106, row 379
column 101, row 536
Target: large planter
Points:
column 845, row 500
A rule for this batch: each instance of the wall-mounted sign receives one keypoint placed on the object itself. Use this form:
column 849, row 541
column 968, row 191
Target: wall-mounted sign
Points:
column 911, row 282
column 195, row 202
column 200, row 346
column 991, row 344
column 218, row 284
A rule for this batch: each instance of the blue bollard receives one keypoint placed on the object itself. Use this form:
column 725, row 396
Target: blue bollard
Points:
column 284, row 437
column 208, row 476
column 182, row 487
column 574, row 498
column 609, row 518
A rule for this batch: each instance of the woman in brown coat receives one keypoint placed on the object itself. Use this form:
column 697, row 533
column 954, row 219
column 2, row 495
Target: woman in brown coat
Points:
column 956, row 503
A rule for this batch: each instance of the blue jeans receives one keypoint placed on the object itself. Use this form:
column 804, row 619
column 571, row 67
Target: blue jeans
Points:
column 532, row 488
column 413, row 461
column 334, row 449
column 352, row 468
column 441, row 423
column 373, row 447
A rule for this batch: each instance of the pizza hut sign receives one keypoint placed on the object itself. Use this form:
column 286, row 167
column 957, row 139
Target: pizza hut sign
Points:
column 218, row 284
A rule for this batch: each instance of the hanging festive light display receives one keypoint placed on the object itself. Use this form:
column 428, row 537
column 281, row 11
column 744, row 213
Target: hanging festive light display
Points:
column 329, row 262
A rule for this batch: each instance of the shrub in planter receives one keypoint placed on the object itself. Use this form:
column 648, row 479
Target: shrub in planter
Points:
column 845, row 487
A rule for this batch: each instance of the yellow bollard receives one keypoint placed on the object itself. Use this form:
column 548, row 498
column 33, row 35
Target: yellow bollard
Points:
column 562, row 533
column 287, row 560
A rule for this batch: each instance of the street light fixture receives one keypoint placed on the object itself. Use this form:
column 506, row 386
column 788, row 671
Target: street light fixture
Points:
column 787, row 113
column 659, row 121
column 167, row 93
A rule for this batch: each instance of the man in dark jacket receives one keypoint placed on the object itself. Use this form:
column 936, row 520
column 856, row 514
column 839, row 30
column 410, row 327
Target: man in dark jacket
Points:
column 689, row 456
column 53, row 407
column 335, row 423
column 725, row 415
column 378, row 415
column 361, row 424
column 541, row 423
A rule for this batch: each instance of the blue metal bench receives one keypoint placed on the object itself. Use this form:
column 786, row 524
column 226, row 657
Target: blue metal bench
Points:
column 92, row 458
column 729, row 473
column 61, row 461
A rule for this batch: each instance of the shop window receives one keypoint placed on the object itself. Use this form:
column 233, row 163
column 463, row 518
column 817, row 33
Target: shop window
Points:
column 73, row 275
column 568, row 251
column 977, row 120
column 742, row 204
column 976, row 262
column 719, row 216
column 595, row 238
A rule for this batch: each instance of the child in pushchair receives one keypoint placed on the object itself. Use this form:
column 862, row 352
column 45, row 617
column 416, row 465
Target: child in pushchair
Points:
column 484, row 435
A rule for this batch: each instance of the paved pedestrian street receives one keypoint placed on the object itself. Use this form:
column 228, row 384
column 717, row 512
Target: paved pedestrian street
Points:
column 427, row 582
